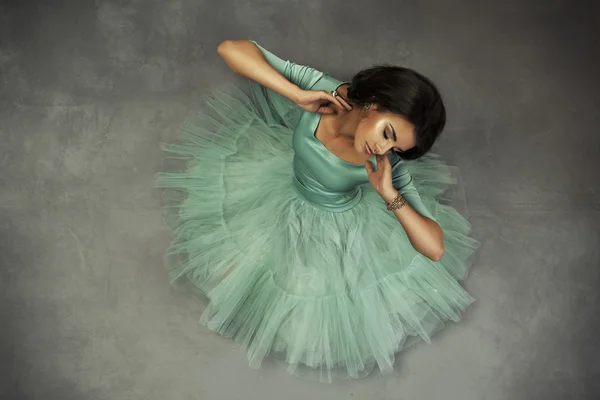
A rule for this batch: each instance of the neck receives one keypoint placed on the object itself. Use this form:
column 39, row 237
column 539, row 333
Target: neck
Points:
column 346, row 122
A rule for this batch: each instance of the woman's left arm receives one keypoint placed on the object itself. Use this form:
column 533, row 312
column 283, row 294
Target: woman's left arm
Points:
column 425, row 235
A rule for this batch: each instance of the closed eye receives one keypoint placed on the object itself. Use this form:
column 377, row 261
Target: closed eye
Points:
column 395, row 149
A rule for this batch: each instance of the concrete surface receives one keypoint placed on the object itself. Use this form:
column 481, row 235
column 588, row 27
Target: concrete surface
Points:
column 88, row 91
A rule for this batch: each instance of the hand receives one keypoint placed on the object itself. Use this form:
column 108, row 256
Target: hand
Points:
column 381, row 179
column 321, row 101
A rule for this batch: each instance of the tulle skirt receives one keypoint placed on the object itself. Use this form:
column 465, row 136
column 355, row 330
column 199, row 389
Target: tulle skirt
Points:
column 329, row 294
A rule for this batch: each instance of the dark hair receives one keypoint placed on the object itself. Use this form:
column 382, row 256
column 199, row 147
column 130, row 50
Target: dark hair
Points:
column 405, row 92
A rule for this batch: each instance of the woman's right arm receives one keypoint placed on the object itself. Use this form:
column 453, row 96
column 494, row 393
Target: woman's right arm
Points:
column 249, row 59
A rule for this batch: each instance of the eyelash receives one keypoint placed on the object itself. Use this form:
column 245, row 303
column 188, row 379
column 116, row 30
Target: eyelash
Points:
column 385, row 135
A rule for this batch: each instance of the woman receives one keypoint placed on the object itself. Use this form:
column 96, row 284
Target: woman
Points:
column 304, row 222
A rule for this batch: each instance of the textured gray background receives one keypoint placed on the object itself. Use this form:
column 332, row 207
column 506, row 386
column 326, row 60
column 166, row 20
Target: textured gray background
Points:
column 88, row 91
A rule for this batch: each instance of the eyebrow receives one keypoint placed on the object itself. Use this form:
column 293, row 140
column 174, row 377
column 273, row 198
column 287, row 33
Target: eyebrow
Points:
column 394, row 134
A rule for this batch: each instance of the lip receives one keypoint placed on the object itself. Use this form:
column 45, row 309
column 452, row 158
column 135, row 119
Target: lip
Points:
column 368, row 149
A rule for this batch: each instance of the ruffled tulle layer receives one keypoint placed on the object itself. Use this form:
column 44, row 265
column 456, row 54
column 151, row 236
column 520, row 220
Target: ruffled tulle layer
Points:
column 339, row 293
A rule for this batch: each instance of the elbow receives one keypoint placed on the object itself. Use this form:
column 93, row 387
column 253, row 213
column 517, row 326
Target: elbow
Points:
column 439, row 253
column 226, row 45
column 223, row 45
column 437, row 256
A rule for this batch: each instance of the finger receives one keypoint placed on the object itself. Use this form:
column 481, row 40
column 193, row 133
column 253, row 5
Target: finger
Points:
column 345, row 103
column 338, row 104
column 382, row 165
column 325, row 110
column 386, row 162
column 335, row 101
column 387, row 166
column 369, row 167
column 342, row 106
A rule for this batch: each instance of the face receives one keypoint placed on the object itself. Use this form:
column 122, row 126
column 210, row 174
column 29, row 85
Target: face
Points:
column 380, row 133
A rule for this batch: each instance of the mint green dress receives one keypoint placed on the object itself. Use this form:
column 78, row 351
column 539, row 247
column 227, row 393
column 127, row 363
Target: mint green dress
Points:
column 297, row 254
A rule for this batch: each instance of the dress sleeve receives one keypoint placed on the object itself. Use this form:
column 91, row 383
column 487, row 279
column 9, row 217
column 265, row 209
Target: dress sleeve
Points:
column 403, row 182
column 303, row 76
